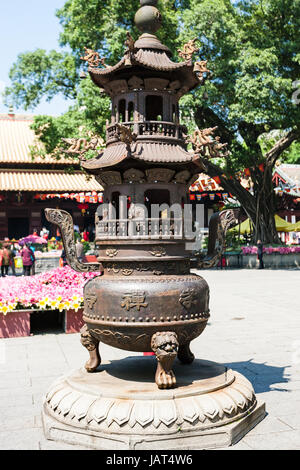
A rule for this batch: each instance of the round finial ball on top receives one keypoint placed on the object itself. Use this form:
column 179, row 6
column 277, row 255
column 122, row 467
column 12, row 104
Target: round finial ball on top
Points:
column 148, row 17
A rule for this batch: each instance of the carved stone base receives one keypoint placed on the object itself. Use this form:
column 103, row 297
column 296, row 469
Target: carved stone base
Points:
column 120, row 407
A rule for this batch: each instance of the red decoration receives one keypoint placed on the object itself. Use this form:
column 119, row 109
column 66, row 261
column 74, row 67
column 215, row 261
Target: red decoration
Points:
column 261, row 167
column 89, row 198
column 217, row 179
column 247, row 172
column 83, row 206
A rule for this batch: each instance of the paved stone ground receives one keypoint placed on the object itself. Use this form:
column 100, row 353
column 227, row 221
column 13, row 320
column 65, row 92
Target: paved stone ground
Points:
column 254, row 329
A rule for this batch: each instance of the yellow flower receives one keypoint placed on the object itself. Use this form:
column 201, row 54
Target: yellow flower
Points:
column 75, row 306
column 5, row 309
column 42, row 303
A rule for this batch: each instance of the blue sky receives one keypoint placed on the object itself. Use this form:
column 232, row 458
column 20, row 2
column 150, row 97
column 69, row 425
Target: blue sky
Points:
column 26, row 25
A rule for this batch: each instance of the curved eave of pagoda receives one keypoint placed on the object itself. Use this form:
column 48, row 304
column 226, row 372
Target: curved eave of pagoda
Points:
column 144, row 152
column 151, row 60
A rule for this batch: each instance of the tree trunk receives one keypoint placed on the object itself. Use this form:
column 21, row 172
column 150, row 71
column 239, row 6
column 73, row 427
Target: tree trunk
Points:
column 259, row 205
column 262, row 219
column 263, row 215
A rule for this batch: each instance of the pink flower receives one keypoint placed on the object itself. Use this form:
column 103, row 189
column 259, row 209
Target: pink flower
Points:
column 62, row 283
column 283, row 250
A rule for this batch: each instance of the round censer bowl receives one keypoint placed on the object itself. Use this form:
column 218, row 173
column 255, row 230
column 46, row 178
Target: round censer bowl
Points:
column 125, row 311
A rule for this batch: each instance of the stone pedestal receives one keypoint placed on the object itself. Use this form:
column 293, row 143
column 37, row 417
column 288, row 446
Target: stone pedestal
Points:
column 120, row 407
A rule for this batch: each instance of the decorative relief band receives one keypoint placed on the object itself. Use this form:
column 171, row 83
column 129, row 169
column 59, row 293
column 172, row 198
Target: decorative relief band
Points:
column 156, row 268
column 163, row 278
column 147, row 319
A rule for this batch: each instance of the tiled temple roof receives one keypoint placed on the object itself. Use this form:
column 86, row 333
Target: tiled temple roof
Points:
column 289, row 174
column 16, row 138
column 46, row 181
column 19, row 172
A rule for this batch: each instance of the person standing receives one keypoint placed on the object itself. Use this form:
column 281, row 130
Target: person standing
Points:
column 6, row 259
column 28, row 259
column 63, row 258
column 86, row 235
column 260, row 252
column 13, row 252
column 58, row 235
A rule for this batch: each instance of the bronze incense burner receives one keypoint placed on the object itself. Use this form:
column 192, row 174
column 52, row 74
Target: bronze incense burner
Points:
column 146, row 299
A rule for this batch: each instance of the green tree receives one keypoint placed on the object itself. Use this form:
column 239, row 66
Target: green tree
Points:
column 253, row 50
column 252, row 47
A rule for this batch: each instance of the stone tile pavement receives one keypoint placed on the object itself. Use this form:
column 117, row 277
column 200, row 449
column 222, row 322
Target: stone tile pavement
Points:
column 254, row 328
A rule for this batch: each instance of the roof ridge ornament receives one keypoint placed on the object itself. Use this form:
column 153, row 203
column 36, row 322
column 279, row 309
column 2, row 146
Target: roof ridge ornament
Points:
column 79, row 146
column 129, row 43
column 188, row 50
column 93, row 58
column 206, row 144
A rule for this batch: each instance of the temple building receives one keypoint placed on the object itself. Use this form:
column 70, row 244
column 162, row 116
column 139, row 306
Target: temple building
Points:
column 286, row 181
column 28, row 185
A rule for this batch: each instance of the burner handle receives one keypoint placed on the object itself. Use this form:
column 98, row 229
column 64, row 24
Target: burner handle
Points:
column 64, row 221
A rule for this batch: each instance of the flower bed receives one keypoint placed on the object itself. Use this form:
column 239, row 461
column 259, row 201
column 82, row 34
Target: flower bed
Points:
column 278, row 257
column 58, row 289
column 282, row 250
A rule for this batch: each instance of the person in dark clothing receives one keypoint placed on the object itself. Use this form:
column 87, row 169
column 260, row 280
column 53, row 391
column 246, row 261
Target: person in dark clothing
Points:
column 260, row 252
column 28, row 259
column 63, row 257
column 6, row 259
